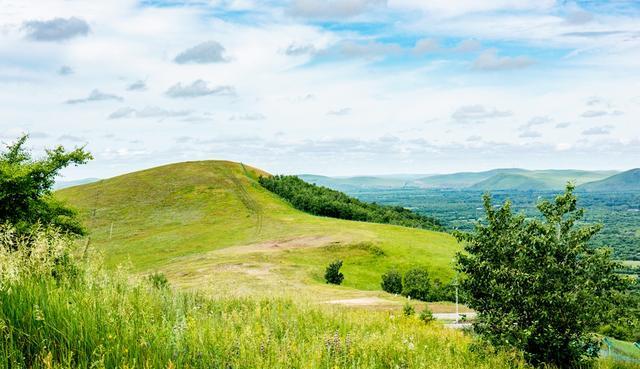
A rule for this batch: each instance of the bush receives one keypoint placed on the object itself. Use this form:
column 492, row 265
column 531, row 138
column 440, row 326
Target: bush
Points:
column 332, row 274
column 392, row 282
column 416, row 284
column 426, row 315
column 407, row 309
column 158, row 280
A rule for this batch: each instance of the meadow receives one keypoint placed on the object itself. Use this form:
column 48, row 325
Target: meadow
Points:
column 208, row 225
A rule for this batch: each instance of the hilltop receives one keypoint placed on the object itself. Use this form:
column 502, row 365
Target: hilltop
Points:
column 622, row 182
column 211, row 225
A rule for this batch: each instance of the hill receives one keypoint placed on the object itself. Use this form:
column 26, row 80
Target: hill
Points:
column 211, row 225
column 504, row 181
column 622, row 182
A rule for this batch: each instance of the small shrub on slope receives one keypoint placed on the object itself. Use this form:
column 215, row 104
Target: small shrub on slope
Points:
column 392, row 282
column 332, row 274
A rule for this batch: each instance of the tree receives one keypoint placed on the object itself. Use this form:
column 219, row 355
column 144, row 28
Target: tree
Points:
column 25, row 187
column 392, row 282
column 416, row 283
column 537, row 284
column 332, row 274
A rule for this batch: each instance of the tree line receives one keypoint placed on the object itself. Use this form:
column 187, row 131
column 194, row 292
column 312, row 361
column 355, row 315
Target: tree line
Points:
column 322, row 201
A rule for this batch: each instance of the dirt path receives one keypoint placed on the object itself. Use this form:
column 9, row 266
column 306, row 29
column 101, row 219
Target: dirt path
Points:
column 246, row 199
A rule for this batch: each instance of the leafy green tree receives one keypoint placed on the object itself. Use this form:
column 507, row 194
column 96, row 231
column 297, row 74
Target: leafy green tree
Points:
column 537, row 284
column 332, row 274
column 392, row 282
column 416, row 283
column 25, row 187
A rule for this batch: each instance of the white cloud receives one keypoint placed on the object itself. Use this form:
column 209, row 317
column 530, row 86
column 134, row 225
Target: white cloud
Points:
column 204, row 53
column 477, row 114
column 490, row 61
column 600, row 130
column 198, row 88
column 147, row 112
column 95, row 95
column 332, row 8
column 57, row 29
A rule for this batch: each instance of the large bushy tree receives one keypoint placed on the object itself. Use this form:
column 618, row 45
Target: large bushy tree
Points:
column 26, row 183
column 536, row 283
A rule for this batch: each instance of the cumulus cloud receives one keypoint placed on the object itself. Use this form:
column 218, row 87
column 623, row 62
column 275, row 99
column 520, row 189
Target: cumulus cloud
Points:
column 95, row 95
column 57, row 29
column 426, row 45
column 600, row 130
column 65, row 70
column 138, row 85
column 477, row 114
column 563, row 125
column 333, row 8
column 204, row 53
column 600, row 113
column 535, row 121
column 148, row 112
column 367, row 50
column 300, row 49
column 489, row 60
column 198, row 88
column 467, row 46
column 340, row 112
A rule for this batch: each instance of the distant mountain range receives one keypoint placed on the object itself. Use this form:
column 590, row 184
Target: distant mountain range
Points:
column 621, row 182
column 492, row 180
column 64, row 184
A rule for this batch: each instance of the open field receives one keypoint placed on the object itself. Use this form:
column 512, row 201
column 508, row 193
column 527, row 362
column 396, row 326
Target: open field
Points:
column 211, row 226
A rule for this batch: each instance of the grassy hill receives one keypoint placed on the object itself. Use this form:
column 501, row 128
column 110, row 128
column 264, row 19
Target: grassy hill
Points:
column 211, row 225
column 621, row 182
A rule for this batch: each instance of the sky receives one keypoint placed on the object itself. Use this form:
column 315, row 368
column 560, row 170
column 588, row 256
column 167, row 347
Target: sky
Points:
column 334, row 87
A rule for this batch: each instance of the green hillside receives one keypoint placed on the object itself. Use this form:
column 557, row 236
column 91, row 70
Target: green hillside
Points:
column 211, row 225
column 505, row 181
column 621, row 182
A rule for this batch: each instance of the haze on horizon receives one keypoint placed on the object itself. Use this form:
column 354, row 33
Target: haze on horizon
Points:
column 349, row 87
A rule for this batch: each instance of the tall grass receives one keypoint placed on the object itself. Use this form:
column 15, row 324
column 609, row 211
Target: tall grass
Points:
column 56, row 313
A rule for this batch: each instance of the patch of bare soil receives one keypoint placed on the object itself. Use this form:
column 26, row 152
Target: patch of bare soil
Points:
column 278, row 245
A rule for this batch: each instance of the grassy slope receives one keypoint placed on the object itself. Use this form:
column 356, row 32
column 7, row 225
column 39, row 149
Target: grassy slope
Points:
column 625, row 181
column 191, row 220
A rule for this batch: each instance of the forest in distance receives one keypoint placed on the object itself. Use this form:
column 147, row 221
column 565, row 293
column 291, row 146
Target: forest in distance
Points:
column 618, row 212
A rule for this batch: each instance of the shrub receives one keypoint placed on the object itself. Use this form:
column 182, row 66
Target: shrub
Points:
column 158, row 280
column 408, row 309
column 332, row 274
column 416, row 284
column 392, row 282
column 426, row 315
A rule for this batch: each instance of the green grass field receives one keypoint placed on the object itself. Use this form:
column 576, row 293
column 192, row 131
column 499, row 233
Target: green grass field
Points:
column 210, row 225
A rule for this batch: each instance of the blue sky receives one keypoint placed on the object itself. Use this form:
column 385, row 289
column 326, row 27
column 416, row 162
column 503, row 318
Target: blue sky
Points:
column 337, row 87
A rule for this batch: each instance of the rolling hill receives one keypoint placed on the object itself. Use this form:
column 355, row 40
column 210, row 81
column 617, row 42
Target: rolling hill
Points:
column 211, row 225
column 621, row 182
column 491, row 180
